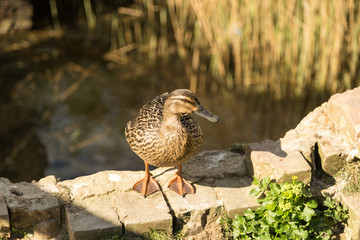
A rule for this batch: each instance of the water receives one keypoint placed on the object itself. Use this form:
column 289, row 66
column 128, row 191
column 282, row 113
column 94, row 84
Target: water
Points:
column 64, row 108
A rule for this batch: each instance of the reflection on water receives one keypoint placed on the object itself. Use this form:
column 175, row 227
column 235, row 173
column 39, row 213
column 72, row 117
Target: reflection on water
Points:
column 74, row 106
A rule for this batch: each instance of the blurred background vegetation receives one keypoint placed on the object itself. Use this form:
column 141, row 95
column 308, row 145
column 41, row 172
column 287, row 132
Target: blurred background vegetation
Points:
column 285, row 47
column 72, row 73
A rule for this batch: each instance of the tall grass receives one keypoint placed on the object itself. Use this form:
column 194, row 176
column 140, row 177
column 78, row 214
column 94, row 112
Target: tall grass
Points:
column 272, row 45
column 143, row 27
column 284, row 46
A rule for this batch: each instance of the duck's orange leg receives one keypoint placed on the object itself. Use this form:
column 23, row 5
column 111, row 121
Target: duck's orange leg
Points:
column 179, row 185
column 147, row 185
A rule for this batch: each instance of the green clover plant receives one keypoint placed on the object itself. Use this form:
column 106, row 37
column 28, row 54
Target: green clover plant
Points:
column 287, row 211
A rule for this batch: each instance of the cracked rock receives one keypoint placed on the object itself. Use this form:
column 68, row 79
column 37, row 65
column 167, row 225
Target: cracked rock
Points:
column 32, row 208
column 92, row 219
column 271, row 158
column 193, row 211
column 139, row 214
column 4, row 219
column 234, row 192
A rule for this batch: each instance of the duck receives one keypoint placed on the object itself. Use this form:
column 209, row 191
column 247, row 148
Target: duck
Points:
column 164, row 134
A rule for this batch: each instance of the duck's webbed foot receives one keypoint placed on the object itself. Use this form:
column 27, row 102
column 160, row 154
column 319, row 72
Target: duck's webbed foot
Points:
column 179, row 185
column 146, row 186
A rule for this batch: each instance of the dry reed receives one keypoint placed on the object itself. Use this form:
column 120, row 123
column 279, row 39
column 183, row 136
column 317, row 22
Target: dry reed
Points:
column 278, row 46
column 273, row 45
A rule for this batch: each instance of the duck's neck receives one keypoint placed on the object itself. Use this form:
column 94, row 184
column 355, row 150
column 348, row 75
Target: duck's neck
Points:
column 171, row 120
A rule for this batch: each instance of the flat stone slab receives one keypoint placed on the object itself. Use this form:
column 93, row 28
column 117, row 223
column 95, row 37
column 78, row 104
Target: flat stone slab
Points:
column 139, row 214
column 89, row 205
column 192, row 211
column 99, row 211
column 4, row 219
column 31, row 207
column 234, row 192
column 94, row 219
column 110, row 181
column 130, row 205
column 214, row 164
column 268, row 158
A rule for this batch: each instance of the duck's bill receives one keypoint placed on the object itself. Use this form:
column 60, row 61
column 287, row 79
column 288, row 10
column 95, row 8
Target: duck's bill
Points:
column 201, row 111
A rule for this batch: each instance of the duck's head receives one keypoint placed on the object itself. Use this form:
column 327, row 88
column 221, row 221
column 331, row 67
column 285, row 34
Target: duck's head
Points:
column 182, row 101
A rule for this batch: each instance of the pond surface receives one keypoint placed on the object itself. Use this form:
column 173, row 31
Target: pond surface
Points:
column 64, row 108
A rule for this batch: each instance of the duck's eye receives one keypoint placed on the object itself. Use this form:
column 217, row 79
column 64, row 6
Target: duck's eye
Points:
column 188, row 101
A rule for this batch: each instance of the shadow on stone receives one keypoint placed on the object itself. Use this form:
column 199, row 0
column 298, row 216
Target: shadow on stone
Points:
column 221, row 182
column 104, row 204
column 207, row 167
column 267, row 147
column 319, row 174
column 280, row 160
column 91, row 207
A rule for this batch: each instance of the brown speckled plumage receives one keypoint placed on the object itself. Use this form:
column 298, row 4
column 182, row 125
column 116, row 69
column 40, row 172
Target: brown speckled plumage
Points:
column 164, row 133
column 162, row 146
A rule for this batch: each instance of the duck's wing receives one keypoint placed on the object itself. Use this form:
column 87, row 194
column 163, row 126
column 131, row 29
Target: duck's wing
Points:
column 150, row 115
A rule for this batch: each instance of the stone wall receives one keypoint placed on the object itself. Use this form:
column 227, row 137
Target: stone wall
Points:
column 95, row 206
column 103, row 203
column 322, row 143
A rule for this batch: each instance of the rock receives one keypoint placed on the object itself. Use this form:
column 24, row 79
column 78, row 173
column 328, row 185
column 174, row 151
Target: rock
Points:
column 234, row 192
column 302, row 143
column 94, row 219
column 352, row 230
column 315, row 127
column 139, row 214
column 319, row 128
column 98, row 184
column 32, row 208
column 269, row 159
column 104, row 202
column 344, row 110
column 48, row 182
column 193, row 211
column 331, row 148
column 214, row 164
column 91, row 211
column 4, row 219
column 326, row 127
column 333, row 153
column 46, row 230
column 211, row 231
column 316, row 123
